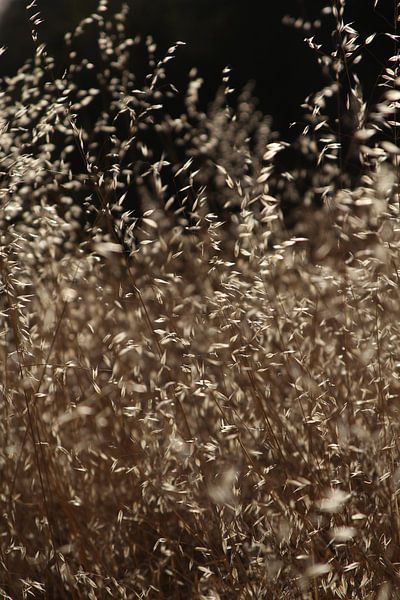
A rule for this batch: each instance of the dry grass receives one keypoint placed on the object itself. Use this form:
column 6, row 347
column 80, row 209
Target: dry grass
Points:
column 195, row 402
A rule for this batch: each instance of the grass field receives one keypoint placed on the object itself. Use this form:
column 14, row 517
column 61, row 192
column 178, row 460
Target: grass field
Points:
column 197, row 400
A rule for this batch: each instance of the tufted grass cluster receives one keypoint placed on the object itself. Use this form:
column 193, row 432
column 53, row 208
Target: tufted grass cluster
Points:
column 197, row 400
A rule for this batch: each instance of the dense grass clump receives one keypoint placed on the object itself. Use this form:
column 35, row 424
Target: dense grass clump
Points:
column 196, row 400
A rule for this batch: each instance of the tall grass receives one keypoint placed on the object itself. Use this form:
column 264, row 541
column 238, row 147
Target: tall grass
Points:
column 197, row 402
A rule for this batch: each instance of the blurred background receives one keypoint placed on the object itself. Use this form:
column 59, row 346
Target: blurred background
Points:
column 261, row 40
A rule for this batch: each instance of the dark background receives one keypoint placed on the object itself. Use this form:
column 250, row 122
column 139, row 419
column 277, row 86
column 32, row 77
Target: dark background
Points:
column 252, row 37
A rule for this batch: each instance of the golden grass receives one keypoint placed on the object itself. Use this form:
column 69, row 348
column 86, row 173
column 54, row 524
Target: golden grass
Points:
column 194, row 408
